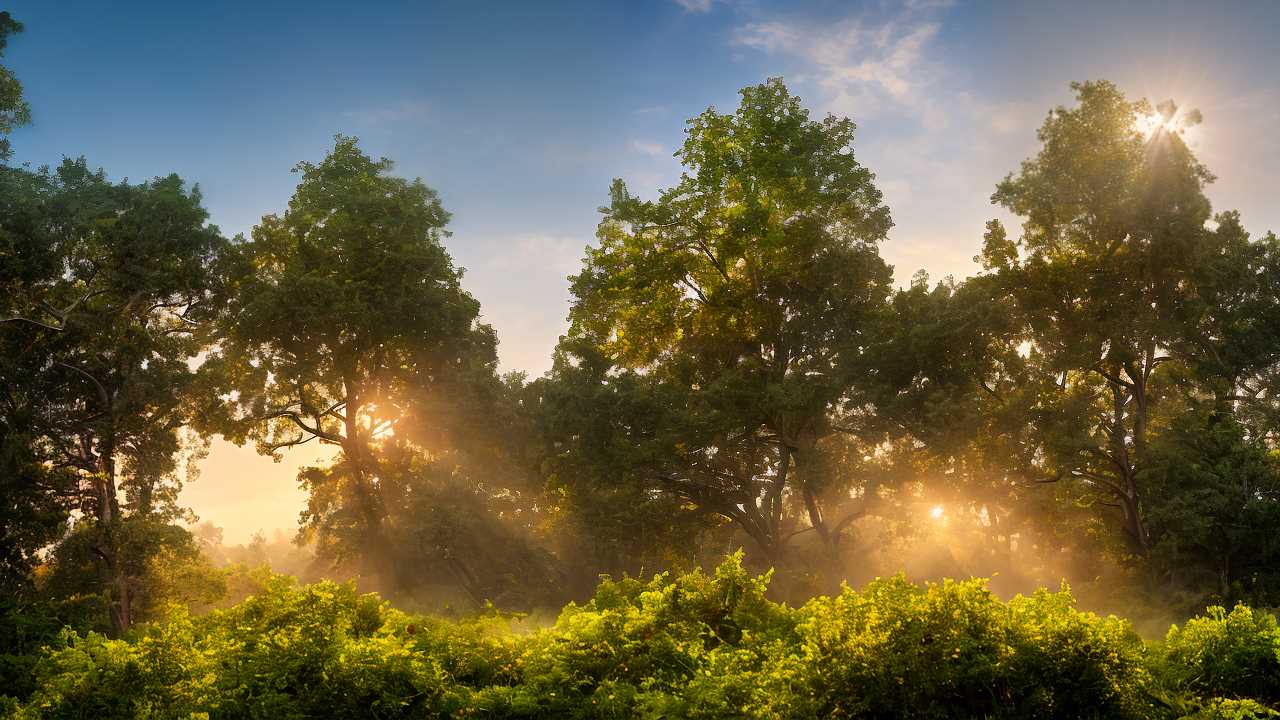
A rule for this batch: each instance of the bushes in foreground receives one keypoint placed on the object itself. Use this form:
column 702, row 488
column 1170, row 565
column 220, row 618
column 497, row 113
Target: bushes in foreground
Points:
column 1235, row 654
column 692, row 646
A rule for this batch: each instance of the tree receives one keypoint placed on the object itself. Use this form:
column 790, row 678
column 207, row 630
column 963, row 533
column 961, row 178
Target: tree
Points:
column 341, row 312
column 35, row 502
column 1215, row 510
column 599, row 437
column 106, row 288
column 470, row 538
column 1114, row 280
column 14, row 111
column 746, row 295
column 1232, row 342
column 952, row 393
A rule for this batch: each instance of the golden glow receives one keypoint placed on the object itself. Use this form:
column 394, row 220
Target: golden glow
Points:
column 378, row 427
column 1148, row 125
column 1167, row 117
column 936, row 512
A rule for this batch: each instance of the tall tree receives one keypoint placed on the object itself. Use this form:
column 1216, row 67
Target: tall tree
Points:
column 746, row 293
column 106, row 288
column 35, row 501
column 341, row 312
column 1104, row 277
column 961, row 397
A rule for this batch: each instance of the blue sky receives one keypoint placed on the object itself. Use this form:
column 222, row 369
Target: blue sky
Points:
column 520, row 114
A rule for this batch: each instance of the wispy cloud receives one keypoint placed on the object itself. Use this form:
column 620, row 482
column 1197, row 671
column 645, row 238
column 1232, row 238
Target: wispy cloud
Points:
column 396, row 113
column 695, row 6
column 862, row 65
column 928, row 4
column 544, row 255
column 647, row 147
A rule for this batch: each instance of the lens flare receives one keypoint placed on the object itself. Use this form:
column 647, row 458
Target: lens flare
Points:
column 1167, row 117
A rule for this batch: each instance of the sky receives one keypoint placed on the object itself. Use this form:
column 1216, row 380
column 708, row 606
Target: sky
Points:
column 521, row 113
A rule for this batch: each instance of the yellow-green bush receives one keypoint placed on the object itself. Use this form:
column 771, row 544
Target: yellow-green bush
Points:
column 1225, row 654
column 691, row 646
column 955, row 650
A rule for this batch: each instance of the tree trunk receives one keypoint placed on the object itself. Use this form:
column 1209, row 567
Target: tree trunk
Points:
column 363, row 473
column 1128, row 463
column 1134, row 525
column 811, row 469
column 111, row 562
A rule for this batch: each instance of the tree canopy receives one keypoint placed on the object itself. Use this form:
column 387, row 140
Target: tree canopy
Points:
column 747, row 294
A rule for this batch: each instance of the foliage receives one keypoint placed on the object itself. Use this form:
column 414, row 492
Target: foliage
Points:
column 33, row 509
column 741, row 302
column 597, row 435
column 28, row 624
column 105, row 289
column 1220, row 709
column 162, row 566
column 14, row 111
column 691, row 646
column 342, row 314
column 1225, row 654
column 1101, row 279
column 1215, row 507
column 953, row 650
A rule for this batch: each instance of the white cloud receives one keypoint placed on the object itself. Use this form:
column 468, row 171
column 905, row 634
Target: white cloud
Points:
column 545, row 255
column 402, row 112
column 862, row 66
column 647, row 147
column 695, row 6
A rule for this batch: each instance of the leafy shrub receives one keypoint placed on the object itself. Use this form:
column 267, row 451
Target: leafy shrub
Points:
column 642, row 645
column 1233, row 655
column 954, row 650
column 697, row 645
column 27, row 625
column 1221, row 709
column 318, row 651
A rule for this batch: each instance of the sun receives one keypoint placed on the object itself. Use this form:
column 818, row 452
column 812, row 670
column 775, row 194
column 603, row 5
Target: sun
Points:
column 1167, row 117
column 1150, row 124
column 936, row 512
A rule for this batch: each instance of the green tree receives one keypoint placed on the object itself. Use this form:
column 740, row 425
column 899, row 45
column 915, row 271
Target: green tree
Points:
column 342, row 313
column 1215, row 510
column 599, row 437
column 106, row 290
column 14, row 111
column 1232, row 342
column 36, row 500
column 956, row 399
column 746, row 295
column 1102, row 279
